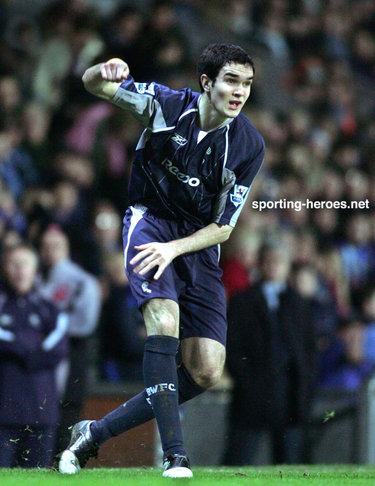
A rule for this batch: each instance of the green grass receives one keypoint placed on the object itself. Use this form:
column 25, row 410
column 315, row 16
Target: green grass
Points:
column 255, row 476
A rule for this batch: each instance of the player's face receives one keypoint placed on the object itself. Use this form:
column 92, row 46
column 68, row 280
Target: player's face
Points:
column 231, row 89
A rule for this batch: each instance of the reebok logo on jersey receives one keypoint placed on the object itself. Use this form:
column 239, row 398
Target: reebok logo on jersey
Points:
column 161, row 387
column 239, row 194
column 179, row 140
column 145, row 288
column 185, row 178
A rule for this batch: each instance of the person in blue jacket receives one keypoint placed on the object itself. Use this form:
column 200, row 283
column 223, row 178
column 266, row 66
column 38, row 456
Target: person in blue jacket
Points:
column 32, row 342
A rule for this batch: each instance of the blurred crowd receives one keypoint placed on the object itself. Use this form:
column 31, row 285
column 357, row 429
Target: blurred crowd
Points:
column 65, row 156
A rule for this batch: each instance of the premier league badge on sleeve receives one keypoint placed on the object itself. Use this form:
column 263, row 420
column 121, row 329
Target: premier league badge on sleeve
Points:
column 145, row 88
column 239, row 194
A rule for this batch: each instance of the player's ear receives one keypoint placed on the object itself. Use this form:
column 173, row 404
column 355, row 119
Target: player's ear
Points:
column 206, row 83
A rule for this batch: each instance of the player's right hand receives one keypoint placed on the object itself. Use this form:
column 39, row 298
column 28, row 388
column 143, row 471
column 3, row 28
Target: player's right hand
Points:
column 115, row 70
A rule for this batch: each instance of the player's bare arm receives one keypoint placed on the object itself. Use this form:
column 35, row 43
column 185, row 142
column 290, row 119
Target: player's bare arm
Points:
column 160, row 255
column 103, row 79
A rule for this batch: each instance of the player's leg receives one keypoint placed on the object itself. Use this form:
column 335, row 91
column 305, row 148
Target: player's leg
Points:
column 138, row 410
column 161, row 317
column 203, row 318
column 88, row 435
column 132, row 413
column 204, row 359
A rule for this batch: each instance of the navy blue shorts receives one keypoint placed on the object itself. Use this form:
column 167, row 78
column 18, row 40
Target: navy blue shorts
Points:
column 192, row 280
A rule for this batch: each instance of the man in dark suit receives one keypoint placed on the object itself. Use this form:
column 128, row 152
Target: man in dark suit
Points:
column 32, row 342
column 271, row 356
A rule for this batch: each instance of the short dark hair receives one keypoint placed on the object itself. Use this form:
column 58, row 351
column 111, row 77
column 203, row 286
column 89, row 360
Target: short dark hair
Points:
column 215, row 56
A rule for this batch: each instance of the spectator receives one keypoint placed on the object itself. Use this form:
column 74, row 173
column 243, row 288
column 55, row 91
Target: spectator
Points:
column 122, row 33
column 368, row 314
column 239, row 261
column 75, row 43
column 345, row 365
column 11, row 214
column 313, row 288
column 357, row 253
column 160, row 32
column 32, row 342
column 36, row 121
column 331, row 267
column 17, row 170
column 104, row 237
column 9, row 239
column 10, row 98
column 271, row 354
column 350, row 358
column 77, row 293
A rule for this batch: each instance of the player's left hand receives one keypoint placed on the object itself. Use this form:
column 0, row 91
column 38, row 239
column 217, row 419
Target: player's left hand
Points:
column 153, row 255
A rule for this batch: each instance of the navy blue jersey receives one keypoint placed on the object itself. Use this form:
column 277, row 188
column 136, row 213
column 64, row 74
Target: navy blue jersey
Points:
column 181, row 172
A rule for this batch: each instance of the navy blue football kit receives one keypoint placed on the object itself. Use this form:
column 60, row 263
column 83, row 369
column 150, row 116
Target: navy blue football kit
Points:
column 182, row 180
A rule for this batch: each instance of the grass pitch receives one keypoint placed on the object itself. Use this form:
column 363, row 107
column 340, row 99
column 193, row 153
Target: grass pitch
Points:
column 353, row 475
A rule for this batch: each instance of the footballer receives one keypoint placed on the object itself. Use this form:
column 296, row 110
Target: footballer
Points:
column 193, row 169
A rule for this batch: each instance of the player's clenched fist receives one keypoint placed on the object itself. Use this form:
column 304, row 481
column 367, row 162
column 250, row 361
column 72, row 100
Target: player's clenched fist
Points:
column 114, row 70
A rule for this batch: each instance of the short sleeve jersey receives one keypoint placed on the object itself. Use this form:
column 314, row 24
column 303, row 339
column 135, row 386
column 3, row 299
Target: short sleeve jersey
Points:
column 181, row 172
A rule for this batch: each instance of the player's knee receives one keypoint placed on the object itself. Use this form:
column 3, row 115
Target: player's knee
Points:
column 207, row 376
column 166, row 326
column 161, row 321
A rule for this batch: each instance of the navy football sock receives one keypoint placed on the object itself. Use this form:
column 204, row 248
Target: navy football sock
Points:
column 160, row 375
column 187, row 387
column 137, row 410
column 132, row 413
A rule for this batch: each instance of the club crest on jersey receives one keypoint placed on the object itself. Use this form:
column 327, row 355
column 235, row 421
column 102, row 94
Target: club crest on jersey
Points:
column 145, row 88
column 145, row 288
column 179, row 139
column 239, row 194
